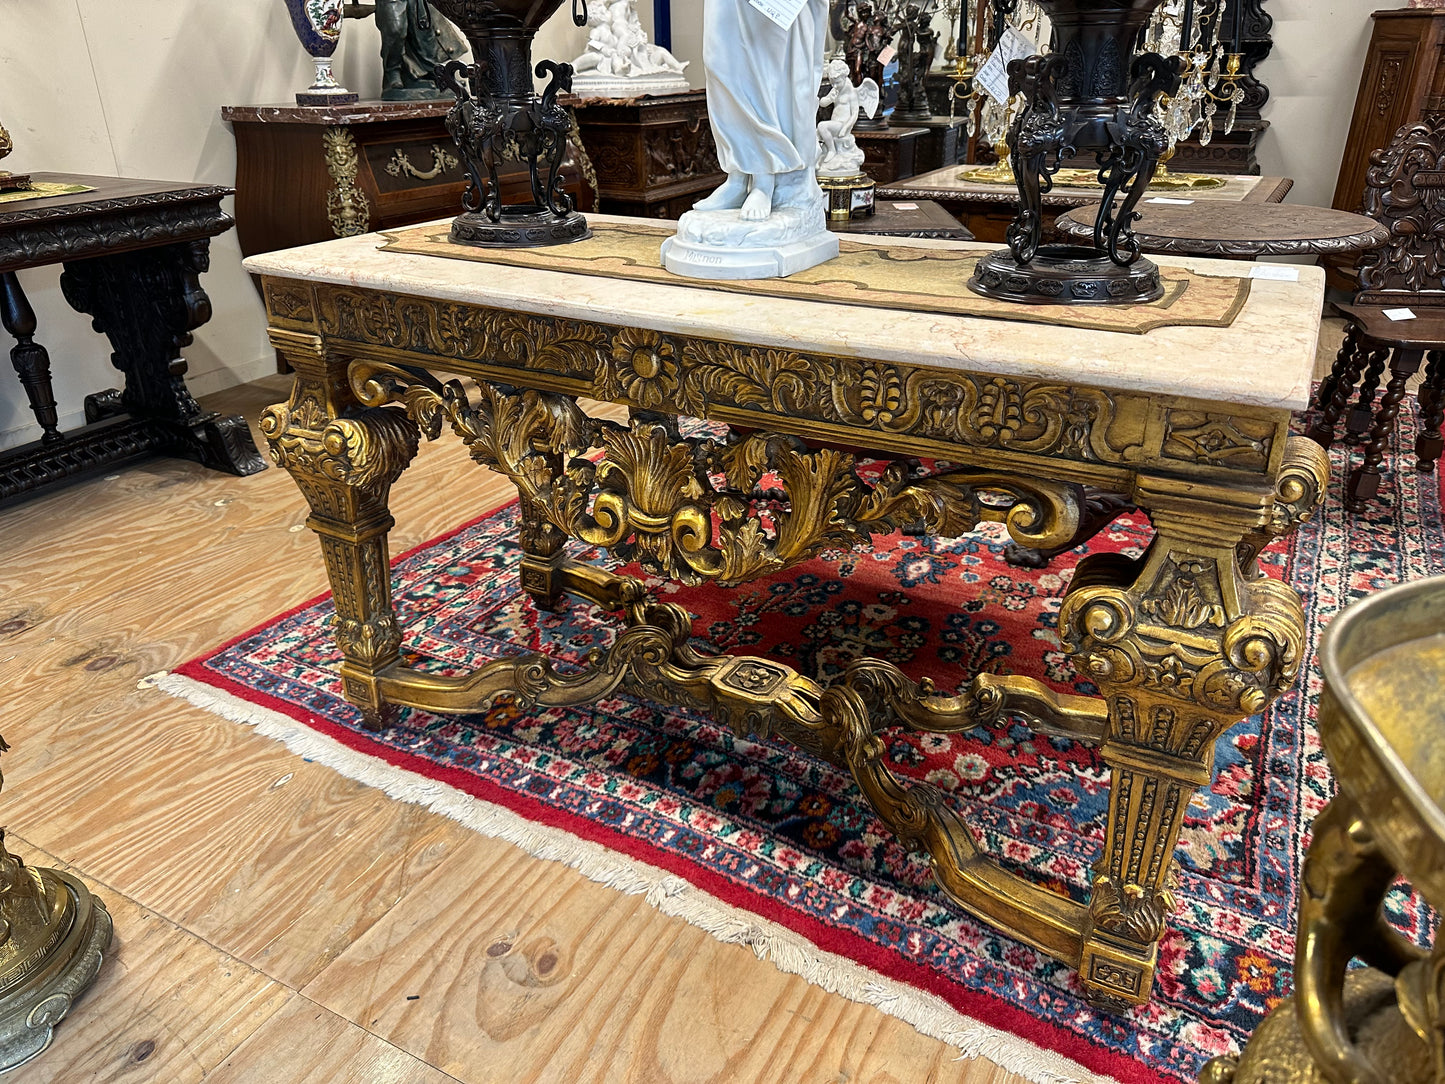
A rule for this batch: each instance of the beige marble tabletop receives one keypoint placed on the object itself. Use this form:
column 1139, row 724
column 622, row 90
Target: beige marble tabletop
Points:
column 1264, row 359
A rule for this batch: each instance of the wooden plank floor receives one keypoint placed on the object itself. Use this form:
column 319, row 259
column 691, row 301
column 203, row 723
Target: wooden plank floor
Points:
column 276, row 922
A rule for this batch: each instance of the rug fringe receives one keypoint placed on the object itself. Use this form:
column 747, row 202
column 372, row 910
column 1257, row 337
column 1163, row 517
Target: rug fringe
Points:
column 668, row 893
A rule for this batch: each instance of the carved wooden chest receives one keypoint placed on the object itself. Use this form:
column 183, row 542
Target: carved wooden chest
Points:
column 654, row 157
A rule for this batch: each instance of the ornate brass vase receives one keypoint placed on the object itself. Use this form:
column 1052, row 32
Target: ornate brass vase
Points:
column 10, row 180
column 1382, row 722
column 498, row 115
column 53, row 935
column 1090, row 93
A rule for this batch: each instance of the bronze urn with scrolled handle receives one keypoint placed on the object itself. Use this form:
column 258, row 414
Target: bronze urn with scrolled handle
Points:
column 1089, row 93
column 499, row 116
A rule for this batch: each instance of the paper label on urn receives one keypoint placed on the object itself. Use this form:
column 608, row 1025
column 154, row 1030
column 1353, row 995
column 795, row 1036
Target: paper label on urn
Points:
column 993, row 76
column 782, row 12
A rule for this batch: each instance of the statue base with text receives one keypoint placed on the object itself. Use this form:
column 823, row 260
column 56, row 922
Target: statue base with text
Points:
column 723, row 244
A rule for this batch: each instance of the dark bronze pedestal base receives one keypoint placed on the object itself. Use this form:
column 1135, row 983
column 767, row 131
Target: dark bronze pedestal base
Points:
column 1066, row 275
column 519, row 227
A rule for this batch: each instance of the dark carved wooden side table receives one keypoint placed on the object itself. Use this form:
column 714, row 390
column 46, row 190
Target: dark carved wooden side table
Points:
column 133, row 253
column 655, row 156
column 988, row 209
column 1240, row 231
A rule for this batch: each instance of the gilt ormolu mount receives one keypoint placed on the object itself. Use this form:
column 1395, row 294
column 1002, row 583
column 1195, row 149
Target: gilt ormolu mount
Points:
column 1088, row 94
column 500, row 116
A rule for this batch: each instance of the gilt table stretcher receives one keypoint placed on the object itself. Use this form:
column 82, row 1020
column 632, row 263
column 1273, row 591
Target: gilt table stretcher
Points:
column 1188, row 423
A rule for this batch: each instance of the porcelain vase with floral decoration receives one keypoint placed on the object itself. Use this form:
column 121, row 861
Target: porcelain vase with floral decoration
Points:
column 318, row 25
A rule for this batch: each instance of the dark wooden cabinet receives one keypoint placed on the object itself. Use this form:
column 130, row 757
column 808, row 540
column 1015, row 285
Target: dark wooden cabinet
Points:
column 308, row 173
column 943, row 144
column 1403, row 82
column 655, row 157
column 890, row 154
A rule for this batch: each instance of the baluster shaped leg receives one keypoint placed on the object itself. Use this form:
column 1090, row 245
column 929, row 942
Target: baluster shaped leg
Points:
column 344, row 459
column 1429, row 444
column 1364, row 480
column 31, row 361
column 1182, row 645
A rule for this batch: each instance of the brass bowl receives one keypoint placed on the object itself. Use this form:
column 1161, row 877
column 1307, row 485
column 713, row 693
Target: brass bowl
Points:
column 1382, row 721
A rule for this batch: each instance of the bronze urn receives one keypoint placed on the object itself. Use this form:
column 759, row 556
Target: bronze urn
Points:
column 499, row 116
column 1090, row 93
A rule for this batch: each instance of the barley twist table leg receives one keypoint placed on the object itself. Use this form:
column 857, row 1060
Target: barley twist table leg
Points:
column 1182, row 644
column 1364, row 480
column 1335, row 390
column 344, row 458
column 1357, row 423
column 1429, row 443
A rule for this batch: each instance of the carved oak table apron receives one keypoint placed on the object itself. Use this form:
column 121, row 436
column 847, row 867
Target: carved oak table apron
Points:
column 133, row 252
column 1182, row 642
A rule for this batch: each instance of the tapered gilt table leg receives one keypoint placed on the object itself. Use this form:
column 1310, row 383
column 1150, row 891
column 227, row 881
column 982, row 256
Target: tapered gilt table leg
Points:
column 344, row 458
column 543, row 555
column 1182, row 644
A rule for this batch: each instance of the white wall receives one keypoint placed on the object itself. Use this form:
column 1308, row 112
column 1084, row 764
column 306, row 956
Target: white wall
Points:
column 134, row 89
column 1313, row 75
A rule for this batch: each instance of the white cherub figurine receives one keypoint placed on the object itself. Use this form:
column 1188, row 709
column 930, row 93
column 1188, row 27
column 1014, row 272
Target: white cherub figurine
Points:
column 620, row 61
column 840, row 155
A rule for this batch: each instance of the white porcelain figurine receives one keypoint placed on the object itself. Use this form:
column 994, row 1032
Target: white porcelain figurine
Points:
column 840, row 155
column 620, row 62
column 768, row 218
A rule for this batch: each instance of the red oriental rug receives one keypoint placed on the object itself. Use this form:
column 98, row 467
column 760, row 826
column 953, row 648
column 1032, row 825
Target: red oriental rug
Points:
column 759, row 843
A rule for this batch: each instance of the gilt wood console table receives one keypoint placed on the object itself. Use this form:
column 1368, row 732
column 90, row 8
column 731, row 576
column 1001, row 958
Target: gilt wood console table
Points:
column 133, row 253
column 1182, row 642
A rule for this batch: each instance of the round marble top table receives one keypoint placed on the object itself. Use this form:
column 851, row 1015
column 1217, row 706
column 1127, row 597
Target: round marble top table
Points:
column 1240, row 231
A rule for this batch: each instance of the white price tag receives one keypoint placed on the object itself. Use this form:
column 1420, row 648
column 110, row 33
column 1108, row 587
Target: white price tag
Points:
column 905, row 206
column 886, row 56
column 1170, row 200
column 782, row 12
column 1399, row 314
column 1276, row 272
column 993, row 76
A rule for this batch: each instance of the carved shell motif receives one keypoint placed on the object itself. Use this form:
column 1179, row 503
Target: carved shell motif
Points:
column 317, row 24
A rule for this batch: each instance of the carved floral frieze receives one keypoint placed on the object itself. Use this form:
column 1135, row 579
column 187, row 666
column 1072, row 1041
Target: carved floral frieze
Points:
column 678, row 373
